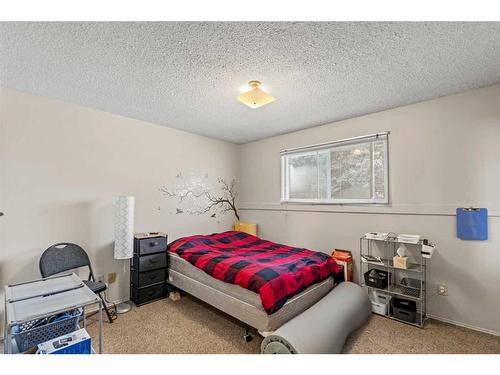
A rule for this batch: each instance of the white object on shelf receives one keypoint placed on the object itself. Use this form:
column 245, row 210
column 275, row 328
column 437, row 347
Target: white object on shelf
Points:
column 380, row 302
column 409, row 238
column 371, row 259
column 427, row 251
column 376, row 235
column 402, row 251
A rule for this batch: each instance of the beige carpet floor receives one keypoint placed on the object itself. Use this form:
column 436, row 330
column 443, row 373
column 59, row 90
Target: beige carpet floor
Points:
column 190, row 326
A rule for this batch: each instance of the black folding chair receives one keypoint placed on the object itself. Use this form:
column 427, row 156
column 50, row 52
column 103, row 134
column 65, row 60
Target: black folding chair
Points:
column 67, row 256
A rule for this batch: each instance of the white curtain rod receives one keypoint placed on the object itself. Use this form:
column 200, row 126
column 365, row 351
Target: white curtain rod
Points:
column 347, row 140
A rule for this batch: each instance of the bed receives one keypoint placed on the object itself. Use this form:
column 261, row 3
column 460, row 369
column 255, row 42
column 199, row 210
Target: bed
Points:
column 313, row 275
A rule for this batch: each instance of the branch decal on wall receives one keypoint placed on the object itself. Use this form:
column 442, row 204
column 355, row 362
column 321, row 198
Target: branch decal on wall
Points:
column 196, row 196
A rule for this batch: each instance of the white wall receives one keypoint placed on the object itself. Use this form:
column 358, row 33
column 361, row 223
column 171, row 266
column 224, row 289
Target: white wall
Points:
column 61, row 166
column 444, row 154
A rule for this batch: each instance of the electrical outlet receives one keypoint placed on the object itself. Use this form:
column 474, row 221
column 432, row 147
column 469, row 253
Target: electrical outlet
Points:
column 443, row 289
column 111, row 277
column 99, row 278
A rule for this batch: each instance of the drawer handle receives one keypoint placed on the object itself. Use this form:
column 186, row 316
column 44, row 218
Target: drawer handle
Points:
column 153, row 261
column 150, row 293
column 152, row 277
column 152, row 244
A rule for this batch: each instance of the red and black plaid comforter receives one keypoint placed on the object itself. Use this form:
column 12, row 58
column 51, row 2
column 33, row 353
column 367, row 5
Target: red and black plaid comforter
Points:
column 276, row 272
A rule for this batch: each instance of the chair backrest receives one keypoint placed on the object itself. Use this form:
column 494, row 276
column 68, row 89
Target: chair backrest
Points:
column 62, row 257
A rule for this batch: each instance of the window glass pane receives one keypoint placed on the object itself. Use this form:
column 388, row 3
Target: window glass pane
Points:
column 338, row 173
column 379, row 156
column 323, row 175
column 303, row 177
column 351, row 172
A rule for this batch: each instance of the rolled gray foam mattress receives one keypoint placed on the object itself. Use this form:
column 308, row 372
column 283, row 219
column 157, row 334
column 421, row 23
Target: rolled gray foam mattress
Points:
column 324, row 327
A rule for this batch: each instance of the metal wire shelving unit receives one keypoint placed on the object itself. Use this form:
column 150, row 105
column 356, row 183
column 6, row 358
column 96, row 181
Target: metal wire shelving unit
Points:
column 386, row 250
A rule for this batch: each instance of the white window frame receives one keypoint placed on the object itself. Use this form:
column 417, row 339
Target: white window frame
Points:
column 326, row 147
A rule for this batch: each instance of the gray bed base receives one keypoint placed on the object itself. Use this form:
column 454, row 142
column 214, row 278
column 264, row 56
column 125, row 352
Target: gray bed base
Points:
column 246, row 312
column 324, row 327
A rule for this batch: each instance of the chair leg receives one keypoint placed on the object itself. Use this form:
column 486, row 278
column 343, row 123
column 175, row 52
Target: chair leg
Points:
column 106, row 308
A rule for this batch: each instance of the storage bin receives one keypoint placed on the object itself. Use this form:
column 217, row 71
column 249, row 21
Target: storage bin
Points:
column 410, row 287
column 34, row 332
column 376, row 278
column 380, row 302
column 404, row 309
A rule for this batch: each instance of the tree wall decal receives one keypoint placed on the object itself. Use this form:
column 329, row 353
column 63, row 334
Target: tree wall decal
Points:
column 205, row 199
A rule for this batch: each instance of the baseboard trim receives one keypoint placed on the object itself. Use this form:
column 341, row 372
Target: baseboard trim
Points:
column 464, row 325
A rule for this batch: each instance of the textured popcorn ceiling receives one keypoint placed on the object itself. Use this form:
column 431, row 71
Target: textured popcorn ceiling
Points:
column 187, row 75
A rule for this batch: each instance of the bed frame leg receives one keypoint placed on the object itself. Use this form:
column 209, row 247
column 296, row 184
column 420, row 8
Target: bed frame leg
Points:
column 248, row 337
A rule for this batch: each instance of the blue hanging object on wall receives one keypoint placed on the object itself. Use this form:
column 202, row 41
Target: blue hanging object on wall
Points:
column 472, row 223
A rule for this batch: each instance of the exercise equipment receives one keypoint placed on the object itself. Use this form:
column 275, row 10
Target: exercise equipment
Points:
column 324, row 327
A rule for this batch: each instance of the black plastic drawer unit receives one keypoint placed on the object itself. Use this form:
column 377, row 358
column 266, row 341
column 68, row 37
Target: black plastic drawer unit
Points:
column 149, row 278
column 149, row 268
column 150, row 262
column 140, row 296
column 153, row 245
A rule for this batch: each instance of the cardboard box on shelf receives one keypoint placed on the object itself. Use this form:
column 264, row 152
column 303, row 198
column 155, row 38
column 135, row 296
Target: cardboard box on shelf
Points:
column 344, row 259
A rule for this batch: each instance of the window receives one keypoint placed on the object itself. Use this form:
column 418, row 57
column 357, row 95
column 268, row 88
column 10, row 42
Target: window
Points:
column 349, row 171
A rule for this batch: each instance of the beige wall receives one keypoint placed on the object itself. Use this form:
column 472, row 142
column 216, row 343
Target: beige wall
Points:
column 444, row 154
column 61, row 166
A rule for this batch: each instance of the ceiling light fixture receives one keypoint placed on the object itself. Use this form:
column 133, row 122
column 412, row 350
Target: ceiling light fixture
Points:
column 255, row 97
